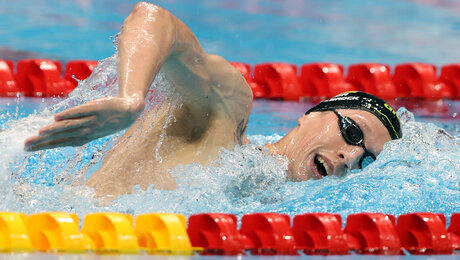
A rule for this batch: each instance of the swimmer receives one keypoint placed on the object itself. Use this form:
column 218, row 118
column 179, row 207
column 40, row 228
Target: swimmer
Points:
column 342, row 133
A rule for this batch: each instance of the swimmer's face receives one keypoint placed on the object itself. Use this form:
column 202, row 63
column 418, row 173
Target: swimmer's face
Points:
column 319, row 149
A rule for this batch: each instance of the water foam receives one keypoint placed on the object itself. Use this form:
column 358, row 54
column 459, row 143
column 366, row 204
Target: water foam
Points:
column 420, row 172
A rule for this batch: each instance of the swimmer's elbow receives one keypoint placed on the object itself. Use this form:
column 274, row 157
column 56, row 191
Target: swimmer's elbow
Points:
column 152, row 11
column 175, row 33
column 145, row 7
column 154, row 20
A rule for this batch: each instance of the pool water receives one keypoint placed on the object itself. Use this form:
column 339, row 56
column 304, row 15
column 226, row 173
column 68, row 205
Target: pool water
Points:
column 417, row 173
column 252, row 31
column 421, row 172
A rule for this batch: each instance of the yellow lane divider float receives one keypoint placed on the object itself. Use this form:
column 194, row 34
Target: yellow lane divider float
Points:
column 111, row 232
column 103, row 233
column 58, row 232
column 164, row 233
column 13, row 233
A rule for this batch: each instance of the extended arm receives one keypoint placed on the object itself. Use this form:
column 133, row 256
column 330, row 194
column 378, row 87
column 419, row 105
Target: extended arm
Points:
column 149, row 37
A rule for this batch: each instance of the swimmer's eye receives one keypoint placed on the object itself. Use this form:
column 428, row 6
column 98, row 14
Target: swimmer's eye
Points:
column 353, row 135
column 366, row 159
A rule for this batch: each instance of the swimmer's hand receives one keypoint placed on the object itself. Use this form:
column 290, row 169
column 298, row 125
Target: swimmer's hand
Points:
column 79, row 125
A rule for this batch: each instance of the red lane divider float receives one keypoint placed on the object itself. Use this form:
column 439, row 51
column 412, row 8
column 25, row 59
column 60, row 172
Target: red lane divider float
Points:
column 8, row 86
column 373, row 233
column 80, row 69
column 279, row 80
column 216, row 233
column 320, row 234
column 43, row 78
column 324, row 79
column 424, row 233
column 450, row 75
column 40, row 78
column 268, row 234
column 419, row 80
column 454, row 230
column 372, row 78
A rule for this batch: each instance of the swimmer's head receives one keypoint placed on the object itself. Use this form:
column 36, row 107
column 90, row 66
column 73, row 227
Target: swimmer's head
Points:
column 367, row 102
column 345, row 132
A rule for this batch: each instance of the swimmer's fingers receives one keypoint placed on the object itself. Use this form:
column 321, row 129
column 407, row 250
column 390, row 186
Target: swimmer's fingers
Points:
column 105, row 107
column 65, row 125
column 60, row 129
column 81, row 132
column 87, row 122
column 84, row 110
column 61, row 142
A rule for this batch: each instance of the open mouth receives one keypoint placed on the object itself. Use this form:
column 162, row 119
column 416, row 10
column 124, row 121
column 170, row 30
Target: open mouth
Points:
column 321, row 165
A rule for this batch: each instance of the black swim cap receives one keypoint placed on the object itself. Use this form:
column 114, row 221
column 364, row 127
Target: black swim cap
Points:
column 367, row 102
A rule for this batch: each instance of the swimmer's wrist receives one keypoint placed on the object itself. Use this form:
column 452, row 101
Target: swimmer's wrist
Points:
column 134, row 104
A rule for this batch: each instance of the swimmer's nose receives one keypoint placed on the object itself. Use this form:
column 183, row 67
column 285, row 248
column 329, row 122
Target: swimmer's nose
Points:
column 348, row 158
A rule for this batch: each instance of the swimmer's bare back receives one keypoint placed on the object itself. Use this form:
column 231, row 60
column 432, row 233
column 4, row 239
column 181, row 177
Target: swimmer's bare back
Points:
column 216, row 103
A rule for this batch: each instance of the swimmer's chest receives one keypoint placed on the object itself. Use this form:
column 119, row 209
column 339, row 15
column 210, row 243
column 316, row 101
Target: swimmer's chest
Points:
column 147, row 152
column 174, row 141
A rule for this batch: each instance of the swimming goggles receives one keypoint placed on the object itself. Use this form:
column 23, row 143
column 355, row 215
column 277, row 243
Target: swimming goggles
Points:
column 353, row 135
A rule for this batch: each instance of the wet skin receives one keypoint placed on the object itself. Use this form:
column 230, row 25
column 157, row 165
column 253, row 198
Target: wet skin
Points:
column 216, row 105
column 318, row 135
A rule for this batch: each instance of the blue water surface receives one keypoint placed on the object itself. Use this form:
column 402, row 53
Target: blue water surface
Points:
column 252, row 31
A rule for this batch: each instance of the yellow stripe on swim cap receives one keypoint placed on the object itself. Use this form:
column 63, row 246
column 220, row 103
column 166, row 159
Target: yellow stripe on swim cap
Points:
column 389, row 121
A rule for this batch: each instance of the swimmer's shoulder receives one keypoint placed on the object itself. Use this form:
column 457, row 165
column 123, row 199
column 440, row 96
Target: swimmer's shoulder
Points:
column 228, row 82
column 232, row 95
